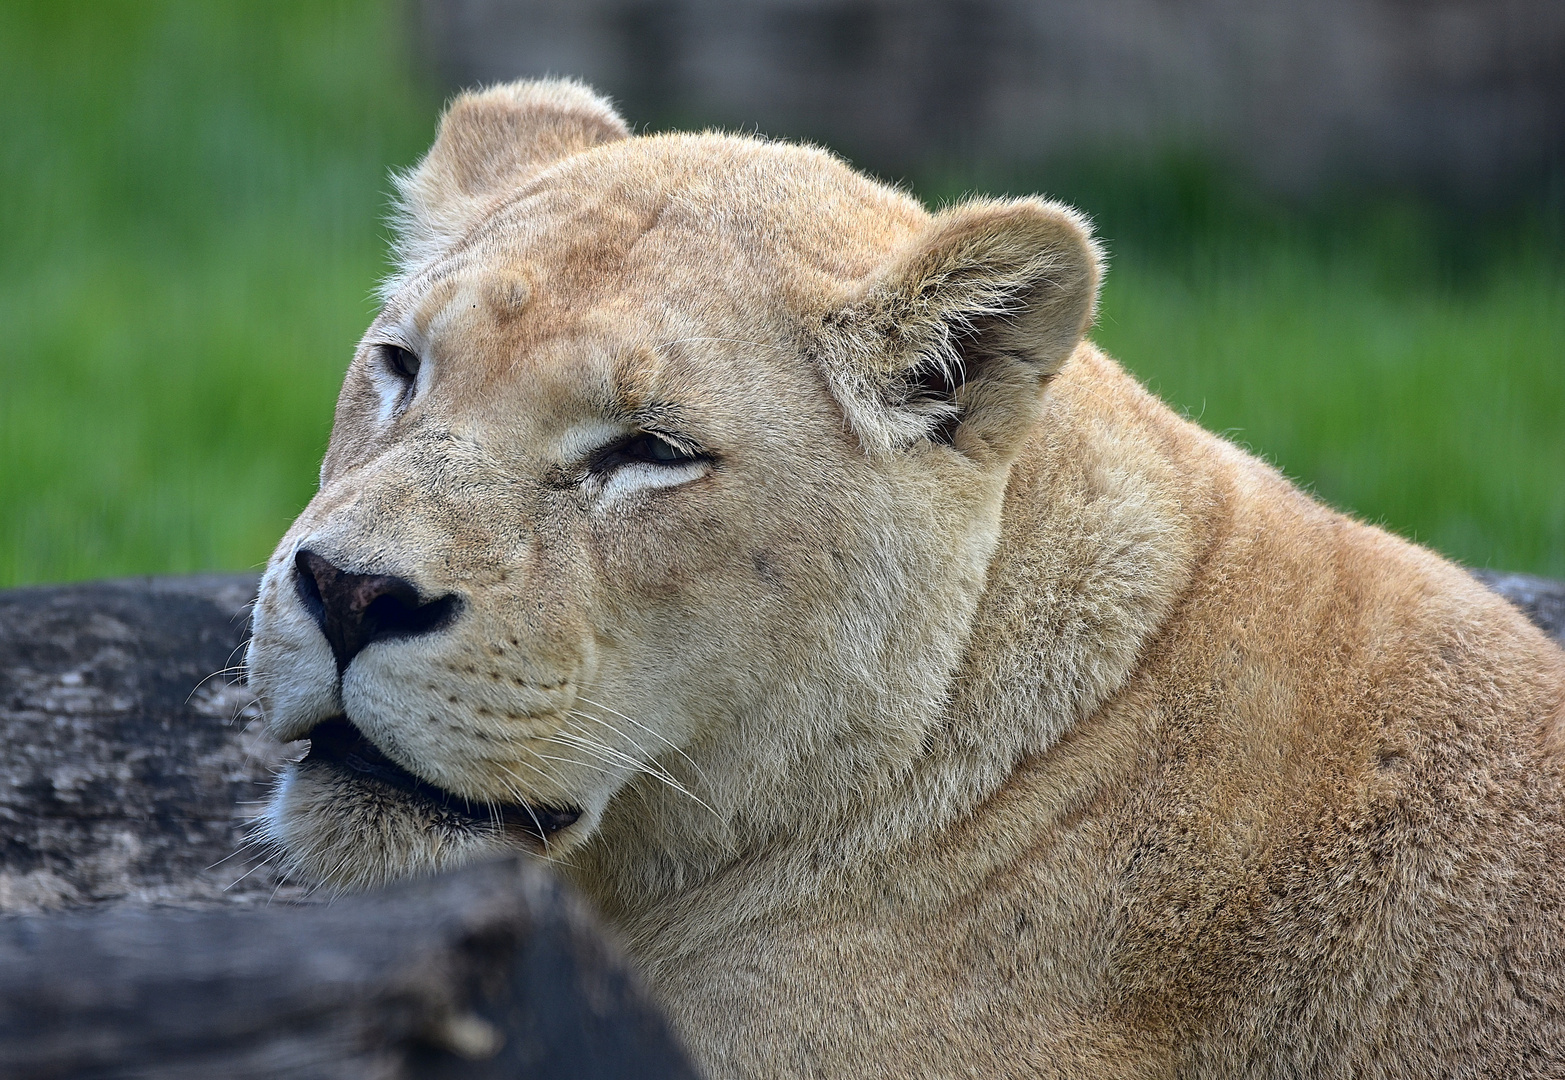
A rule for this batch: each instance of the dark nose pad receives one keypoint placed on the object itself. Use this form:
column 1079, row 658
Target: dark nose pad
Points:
column 353, row 610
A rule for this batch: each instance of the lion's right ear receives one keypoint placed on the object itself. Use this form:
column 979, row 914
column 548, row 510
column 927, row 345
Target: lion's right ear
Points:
column 490, row 141
column 955, row 339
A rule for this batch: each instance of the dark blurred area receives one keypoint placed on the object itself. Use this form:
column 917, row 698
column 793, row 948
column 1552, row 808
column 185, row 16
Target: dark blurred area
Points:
column 1460, row 100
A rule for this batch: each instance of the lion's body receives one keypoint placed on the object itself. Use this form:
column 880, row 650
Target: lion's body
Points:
column 1314, row 832
column 948, row 706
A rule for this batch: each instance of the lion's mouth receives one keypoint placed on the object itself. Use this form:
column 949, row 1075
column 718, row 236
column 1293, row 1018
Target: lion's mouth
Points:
column 338, row 743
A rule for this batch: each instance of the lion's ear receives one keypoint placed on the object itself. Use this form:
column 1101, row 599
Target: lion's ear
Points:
column 955, row 339
column 490, row 141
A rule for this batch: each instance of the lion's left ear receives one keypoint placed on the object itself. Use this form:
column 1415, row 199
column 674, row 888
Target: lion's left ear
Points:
column 489, row 143
column 955, row 339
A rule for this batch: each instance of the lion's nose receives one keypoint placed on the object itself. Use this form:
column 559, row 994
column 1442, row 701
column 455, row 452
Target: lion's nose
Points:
column 354, row 610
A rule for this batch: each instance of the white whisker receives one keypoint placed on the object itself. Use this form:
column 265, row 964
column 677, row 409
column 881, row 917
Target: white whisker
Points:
column 609, row 756
column 244, row 875
column 606, row 753
column 642, row 750
column 665, row 740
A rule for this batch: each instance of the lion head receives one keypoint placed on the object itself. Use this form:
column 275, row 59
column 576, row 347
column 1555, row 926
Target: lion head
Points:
column 660, row 495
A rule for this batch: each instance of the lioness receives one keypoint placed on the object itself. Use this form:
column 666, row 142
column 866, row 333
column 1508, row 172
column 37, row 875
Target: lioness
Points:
column 917, row 694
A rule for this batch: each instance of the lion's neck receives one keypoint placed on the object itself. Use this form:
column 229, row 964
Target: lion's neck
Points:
column 1105, row 517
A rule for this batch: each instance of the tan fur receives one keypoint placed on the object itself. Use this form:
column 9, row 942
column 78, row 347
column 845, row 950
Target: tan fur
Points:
column 968, row 713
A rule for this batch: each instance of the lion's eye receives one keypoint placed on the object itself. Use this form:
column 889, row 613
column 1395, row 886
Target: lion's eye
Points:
column 645, row 448
column 400, row 362
column 658, row 450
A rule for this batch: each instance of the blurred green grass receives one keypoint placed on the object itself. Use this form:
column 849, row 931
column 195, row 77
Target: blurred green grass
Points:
column 1438, row 413
column 191, row 223
column 191, row 217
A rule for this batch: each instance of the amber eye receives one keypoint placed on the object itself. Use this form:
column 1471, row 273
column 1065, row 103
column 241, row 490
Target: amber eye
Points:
column 400, row 362
column 656, row 450
column 645, row 448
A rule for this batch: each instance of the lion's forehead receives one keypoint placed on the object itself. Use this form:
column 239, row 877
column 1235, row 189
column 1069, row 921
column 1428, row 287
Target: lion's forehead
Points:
column 673, row 221
column 562, row 377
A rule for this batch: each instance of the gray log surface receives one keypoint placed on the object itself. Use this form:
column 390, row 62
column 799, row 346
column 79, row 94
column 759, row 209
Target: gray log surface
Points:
column 493, row 971
column 1541, row 600
column 130, row 760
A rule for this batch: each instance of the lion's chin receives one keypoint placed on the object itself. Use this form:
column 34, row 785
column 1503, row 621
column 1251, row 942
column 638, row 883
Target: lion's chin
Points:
column 349, row 817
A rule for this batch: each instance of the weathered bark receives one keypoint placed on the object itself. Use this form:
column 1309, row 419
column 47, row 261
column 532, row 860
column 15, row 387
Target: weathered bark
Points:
column 130, row 759
column 494, row 971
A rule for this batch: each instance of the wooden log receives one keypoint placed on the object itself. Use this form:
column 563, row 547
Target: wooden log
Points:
column 130, row 761
column 493, row 971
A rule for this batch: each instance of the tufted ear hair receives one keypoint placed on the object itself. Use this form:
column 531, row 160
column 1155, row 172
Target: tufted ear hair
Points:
column 489, row 142
column 955, row 339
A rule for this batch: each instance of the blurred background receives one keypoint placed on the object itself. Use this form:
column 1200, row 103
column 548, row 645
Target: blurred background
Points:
column 1336, row 227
